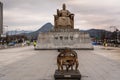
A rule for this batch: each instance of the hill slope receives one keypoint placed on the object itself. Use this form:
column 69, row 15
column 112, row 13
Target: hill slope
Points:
column 45, row 28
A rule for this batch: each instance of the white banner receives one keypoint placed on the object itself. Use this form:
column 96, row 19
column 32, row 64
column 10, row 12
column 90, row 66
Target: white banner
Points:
column 3, row 35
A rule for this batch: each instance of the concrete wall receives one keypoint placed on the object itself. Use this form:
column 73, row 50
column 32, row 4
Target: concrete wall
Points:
column 56, row 40
column 1, row 18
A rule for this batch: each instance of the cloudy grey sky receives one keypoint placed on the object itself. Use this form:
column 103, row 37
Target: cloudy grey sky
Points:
column 32, row 14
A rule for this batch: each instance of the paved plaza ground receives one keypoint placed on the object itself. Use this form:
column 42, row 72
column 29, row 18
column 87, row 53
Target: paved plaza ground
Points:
column 25, row 63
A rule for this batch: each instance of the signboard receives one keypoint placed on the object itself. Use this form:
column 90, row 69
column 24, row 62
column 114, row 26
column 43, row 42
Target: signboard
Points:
column 3, row 35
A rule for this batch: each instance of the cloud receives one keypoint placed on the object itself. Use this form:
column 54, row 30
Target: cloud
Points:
column 88, row 13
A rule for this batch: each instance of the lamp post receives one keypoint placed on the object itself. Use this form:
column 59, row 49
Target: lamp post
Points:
column 4, row 35
column 117, row 36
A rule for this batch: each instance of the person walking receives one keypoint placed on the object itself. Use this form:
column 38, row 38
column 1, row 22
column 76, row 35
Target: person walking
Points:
column 34, row 43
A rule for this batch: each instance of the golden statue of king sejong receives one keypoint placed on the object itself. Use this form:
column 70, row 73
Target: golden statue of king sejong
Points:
column 64, row 19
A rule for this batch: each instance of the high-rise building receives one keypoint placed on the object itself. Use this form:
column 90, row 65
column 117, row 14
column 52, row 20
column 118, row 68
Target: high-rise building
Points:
column 1, row 18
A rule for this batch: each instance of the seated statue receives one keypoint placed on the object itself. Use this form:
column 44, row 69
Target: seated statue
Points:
column 64, row 19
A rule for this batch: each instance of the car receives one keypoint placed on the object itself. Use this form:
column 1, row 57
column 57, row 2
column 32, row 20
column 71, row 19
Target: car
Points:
column 11, row 44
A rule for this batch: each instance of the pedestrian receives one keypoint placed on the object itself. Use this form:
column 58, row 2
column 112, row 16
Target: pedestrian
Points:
column 106, row 45
column 34, row 43
column 28, row 42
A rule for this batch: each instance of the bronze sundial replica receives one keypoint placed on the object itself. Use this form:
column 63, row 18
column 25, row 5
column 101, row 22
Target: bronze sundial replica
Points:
column 63, row 34
column 67, row 62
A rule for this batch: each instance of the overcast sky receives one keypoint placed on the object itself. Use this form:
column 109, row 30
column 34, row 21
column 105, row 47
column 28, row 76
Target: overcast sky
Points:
column 32, row 14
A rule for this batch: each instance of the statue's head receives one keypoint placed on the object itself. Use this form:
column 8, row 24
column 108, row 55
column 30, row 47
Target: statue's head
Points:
column 64, row 6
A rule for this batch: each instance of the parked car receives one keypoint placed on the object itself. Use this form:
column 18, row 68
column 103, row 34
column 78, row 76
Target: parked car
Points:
column 11, row 43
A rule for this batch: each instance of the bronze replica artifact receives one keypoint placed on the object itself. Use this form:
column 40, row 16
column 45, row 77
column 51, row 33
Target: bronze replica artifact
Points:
column 67, row 62
column 67, row 58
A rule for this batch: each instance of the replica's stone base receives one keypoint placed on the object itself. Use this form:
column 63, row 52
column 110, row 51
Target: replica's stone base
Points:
column 67, row 75
column 73, row 39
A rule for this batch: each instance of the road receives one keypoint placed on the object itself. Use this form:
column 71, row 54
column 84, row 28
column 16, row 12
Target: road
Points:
column 25, row 63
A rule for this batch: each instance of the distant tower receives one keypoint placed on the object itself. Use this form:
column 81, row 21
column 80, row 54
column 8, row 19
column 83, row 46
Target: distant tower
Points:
column 1, row 18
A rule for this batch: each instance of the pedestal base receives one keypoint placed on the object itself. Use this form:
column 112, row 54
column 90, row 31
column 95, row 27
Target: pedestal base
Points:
column 54, row 40
column 67, row 75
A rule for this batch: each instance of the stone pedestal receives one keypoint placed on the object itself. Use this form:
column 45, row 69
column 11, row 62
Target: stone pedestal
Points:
column 67, row 75
column 61, row 39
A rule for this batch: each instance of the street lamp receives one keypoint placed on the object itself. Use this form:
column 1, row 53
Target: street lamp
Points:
column 117, row 31
column 4, row 35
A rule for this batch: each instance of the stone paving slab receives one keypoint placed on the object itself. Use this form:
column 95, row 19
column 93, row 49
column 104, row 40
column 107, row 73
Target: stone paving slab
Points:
column 27, row 64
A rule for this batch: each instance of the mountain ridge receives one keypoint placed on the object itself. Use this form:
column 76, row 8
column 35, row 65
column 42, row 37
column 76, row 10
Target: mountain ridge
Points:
column 45, row 28
column 94, row 33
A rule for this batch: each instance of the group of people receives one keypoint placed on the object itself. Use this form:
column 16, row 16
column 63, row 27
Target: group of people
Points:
column 29, row 43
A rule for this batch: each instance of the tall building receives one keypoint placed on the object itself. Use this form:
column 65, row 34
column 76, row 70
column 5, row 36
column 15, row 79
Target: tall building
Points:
column 1, row 17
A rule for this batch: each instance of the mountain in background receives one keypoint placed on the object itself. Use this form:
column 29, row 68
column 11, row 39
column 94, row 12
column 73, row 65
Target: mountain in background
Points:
column 45, row 28
column 94, row 33
column 98, row 33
